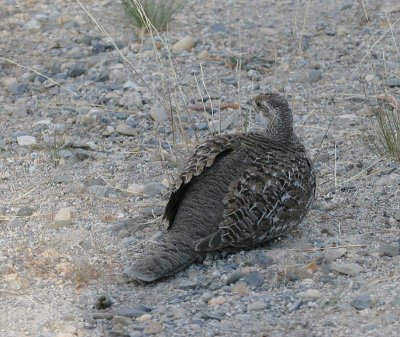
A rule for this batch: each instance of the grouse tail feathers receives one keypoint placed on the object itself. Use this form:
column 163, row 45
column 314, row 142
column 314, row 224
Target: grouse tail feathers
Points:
column 166, row 258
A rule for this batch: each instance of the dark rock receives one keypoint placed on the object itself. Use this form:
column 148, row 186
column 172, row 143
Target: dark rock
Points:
column 103, row 302
column 254, row 279
column 76, row 71
column 25, row 211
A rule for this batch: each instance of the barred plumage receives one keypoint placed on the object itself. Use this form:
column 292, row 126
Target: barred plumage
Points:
column 237, row 191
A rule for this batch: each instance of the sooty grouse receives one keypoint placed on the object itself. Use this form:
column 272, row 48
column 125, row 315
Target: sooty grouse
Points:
column 237, row 191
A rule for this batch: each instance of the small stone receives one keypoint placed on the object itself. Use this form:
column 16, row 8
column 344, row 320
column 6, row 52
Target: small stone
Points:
column 351, row 269
column 390, row 250
column 103, row 315
column 154, row 189
column 241, row 289
column 126, row 130
column 144, row 318
column 26, row 140
column 210, row 315
column 25, row 211
column 296, row 273
column 254, row 279
column 216, row 301
column 362, row 302
column 204, row 54
column 332, row 254
column 154, row 328
column 218, row 28
column 33, row 25
column 186, row 43
column 130, row 312
column 120, row 322
column 16, row 88
column 87, row 119
column 103, row 302
column 98, row 191
column 188, row 284
column 135, row 188
column 158, row 115
column 76, row 71
column 393, row 82
column 311, row 295
column 95, row 182
column 314, row 75
column 16, row 222
column 65, row 334
column 235, row 276
column 295, row 306
column 257, row 306
column 63, row 218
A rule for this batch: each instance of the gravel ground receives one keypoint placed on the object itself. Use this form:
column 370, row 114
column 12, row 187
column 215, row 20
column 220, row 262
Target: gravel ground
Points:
column 85, row 166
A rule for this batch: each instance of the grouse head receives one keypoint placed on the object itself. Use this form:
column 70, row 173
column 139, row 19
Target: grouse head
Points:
column 274, row 113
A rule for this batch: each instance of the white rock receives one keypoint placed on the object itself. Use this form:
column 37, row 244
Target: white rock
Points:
column 63, row 218
column 311, row 295
column 26, row 140
column 135, row 188
column 126, row 130
column 185, row 43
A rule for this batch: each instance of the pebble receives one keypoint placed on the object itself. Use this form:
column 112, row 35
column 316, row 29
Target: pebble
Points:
column 26, row 140
column 332, row 254
column 63, row 218
column 154, row 328
column 25, row 211
column 154, row 189
column 158, row 115
column 295, row 306
column 103, row 315
column 16, row 222
column 311, row 295
column 296, row 273
column 351, row 269
column 314, row 75
column 33, row 25
column 254, row 279
column 103, row 302
column 392, row 82
column 16, row 88
column 130, row 312
column 186, row 43
column 216, row 301
column 390, row 250
column 76, row 71
column 126, row 130
column 188, row 284
column 257, row 306
column 98, row 191
column 361, row 302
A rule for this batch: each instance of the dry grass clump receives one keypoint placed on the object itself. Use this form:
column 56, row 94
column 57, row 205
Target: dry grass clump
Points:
column 158, row 12
column 386, row 127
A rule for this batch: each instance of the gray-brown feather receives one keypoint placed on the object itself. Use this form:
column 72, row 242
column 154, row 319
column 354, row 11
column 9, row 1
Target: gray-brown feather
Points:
column 237, row 191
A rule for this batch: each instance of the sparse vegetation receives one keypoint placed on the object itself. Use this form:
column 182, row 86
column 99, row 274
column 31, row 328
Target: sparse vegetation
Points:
column 158, row 12
column 386, row 127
